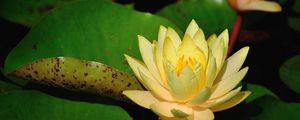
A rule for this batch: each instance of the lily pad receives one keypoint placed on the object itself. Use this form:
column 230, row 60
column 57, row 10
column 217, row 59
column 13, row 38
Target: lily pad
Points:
column 258, row 91
column 213, row 16
column 78, row 75
column 294, row 23
column 290, row 73
column 33, row 105
column 296, row 6
column 6, row 87
column 90, row 30
column 270, row 108
column 28, row 12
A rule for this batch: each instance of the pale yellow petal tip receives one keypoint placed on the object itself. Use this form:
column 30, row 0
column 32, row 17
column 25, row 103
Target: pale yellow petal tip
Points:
column 193, row 22
column 246, row 49
column 245, row 70
column 127, row 56
column 140, row 37
column 225, row 31
column 125, row 92
column 162, row 27
column 277, row 8
column 267, row 6
column 246, row 94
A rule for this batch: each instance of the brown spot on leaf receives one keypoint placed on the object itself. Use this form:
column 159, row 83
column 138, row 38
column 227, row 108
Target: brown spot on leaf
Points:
column 74, row 77
column 46, row 8
column 114, row 75
column 86, row 74
column 129, row 84
column 34, row 46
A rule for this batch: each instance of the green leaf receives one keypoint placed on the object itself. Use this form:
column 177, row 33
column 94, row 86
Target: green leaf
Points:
column 90, row 30
column 78, row 75
column 5, row 87
column 294, row 23
column 270, row 108
column 33, row 105
column 28, row 12
column 213, row 16
column 296, row 6
column 290, row 73
column 258, row 91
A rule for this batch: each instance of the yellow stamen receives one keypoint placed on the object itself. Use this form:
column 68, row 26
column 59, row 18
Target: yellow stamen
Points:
column 182, row 61
column 179, row 65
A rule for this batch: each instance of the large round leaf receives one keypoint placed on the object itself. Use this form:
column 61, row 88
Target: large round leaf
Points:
column 258, row 91
column 270, row 108
column 78, row 75
column 290, row 73
column 28, row 12
column 294, row 23
column 33, row 105
column 296, row 6
column 5, row 86
column 90, row 30
column 213, row 16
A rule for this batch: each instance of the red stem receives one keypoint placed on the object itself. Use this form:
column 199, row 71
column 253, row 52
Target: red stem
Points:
column 234, row 34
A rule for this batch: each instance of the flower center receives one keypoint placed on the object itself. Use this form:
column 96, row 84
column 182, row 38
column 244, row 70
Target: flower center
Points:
column 182, row 61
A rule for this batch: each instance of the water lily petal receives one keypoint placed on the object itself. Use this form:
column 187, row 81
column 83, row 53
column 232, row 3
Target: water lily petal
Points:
column 147, row 80
column 211, row 39
column 200, row 75
column 153, row 86
column 233, row 63
column 188, row 49
column 182, row 86
column 164, row 109
column 172, row 34
column 228, row 83
column 171, row 118
column 202, row 96
column 192, row 28
column 158, row 51
column 169, row 51
column 158, row 56
column 134, row 64
column 203, row 114
column 146, row 50
column 142, row 98
column 219, row 48
column 161, row 36
column 232, row 102
column 211, row 70
column 261, row 5
column 220, row 100
column 199, row 39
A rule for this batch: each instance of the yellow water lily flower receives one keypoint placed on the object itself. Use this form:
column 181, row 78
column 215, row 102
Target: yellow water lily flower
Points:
column 259, row 5
column 188, row 79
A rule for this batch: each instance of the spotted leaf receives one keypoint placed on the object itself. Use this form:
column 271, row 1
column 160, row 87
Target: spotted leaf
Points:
column 79, row 75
